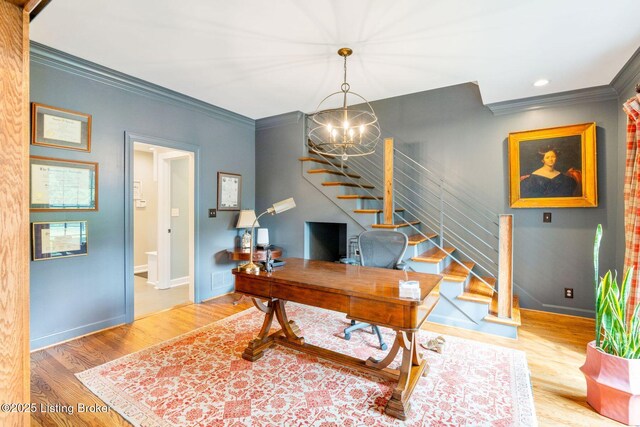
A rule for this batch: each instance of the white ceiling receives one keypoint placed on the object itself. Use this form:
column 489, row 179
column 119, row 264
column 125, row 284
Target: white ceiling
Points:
column 265, row 57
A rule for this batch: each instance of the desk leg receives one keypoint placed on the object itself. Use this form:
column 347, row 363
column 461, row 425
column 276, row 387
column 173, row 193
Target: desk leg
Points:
column 255, row 349
column 411, row 369
column 289, row 327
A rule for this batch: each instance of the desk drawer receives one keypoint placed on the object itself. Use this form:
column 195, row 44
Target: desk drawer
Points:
column 395, row 316
column 328, row 300
column 255, row 287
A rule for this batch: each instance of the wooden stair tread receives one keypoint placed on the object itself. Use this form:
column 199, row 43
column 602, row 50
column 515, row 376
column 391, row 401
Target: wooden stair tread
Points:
column 416, row 239
column 455, row 272
column 333, row 172
column 433, row 255
column 477, row 291
column 394, row 226
column 374, row 211
column 346, row 184
column 493, row 312
column 356, row 196
column 321, row 161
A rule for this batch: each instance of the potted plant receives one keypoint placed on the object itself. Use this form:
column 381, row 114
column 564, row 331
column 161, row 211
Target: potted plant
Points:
column 612, row 367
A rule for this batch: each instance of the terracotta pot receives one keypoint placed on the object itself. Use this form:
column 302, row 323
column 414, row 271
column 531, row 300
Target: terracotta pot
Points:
column 613, row 385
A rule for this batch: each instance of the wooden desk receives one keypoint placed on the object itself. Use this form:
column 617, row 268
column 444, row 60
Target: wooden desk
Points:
column 365, row 294
column 259, row 255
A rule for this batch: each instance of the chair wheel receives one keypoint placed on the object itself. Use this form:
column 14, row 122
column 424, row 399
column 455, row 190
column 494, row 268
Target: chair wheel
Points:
column 347, row 336
column 383, row 346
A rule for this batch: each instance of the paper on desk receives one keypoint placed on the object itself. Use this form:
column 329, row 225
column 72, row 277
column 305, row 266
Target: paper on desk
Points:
column 409, row 289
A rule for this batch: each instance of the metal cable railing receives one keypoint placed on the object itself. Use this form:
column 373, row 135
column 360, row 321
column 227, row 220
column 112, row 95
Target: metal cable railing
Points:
column 367, row 166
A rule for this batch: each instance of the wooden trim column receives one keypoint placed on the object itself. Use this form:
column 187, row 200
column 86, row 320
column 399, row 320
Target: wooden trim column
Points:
column 505, row 267
column 14, row 208
column 388, row 182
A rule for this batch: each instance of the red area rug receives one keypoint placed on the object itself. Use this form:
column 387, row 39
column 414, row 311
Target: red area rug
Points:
column 199, row 379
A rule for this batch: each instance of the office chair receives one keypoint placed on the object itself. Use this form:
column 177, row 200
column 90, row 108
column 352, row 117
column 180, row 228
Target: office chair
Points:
column 383, row 249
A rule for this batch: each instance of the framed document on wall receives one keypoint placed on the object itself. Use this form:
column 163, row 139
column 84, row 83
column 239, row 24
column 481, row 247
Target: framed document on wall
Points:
column 58, row 239
column 229, row 191
column 60, row 128
column 60, row 185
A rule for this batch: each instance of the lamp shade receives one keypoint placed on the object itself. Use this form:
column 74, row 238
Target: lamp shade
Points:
column 246, row 218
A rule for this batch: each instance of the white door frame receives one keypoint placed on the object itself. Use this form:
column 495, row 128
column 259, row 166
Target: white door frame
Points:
column 164, row 217
column 129, row 138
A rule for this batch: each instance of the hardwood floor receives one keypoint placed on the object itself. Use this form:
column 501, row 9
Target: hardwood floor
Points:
column 554, row 345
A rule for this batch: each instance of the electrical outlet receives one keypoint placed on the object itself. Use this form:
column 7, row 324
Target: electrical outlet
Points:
column 546, row 217
column 568, row 292
column 212, row 213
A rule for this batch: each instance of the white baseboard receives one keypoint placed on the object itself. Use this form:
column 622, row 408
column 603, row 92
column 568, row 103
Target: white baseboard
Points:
column 179, row 281
column 174, row 283
column 140, row 268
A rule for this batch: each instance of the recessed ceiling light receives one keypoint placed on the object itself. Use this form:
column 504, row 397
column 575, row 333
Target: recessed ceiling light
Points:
column 541, row 82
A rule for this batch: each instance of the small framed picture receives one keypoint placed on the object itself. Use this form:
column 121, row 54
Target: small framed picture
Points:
column 229, row 191
column 554, row 168
column 60, row 185
column 60, row 128
column 63, row 239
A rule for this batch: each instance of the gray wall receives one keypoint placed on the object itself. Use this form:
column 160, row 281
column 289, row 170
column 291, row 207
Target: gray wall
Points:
column 450, row 131
column 75, row 296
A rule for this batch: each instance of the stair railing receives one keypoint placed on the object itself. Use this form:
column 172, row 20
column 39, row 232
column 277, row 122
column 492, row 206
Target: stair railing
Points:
column 444, row 217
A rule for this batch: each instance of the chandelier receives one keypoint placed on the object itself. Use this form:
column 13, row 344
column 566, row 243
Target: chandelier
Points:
column 343, row 130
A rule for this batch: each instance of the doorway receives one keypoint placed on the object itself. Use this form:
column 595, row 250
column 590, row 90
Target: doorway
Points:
column 163, row 228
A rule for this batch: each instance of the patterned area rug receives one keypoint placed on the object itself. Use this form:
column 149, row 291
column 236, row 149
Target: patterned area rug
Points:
column 199, row 379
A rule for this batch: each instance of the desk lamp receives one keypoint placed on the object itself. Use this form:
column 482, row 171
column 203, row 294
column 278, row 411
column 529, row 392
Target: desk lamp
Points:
column 276, row 208
column 246, row 220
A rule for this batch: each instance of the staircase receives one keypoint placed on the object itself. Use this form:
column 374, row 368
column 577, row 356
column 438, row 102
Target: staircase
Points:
column 469, row 297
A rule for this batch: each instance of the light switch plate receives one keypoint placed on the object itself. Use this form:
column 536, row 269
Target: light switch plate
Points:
column 175, row 211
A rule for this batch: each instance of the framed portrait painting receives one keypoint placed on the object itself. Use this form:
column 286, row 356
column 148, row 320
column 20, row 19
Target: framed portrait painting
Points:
column 229, row 191
column 553, row 168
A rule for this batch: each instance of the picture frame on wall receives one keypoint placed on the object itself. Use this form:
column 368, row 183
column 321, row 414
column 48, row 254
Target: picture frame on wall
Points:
column 62, row 185
column 58, row 239
column 554, row 167
column 60, row 128
column 229, row 191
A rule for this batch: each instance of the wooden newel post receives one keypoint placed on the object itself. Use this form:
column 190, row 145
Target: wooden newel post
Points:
column 388, row 181
column 505, row 267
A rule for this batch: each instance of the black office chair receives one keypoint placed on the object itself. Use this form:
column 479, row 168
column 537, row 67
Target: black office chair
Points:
column 383, row 249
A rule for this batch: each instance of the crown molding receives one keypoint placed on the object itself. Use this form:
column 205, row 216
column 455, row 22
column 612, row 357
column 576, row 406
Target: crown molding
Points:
column 561, row 99
column 50, row 57
column 629, row 75
column 279, row 120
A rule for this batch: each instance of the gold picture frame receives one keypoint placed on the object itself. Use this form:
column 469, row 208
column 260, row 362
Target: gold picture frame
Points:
column 60, row 128
column 554, row 167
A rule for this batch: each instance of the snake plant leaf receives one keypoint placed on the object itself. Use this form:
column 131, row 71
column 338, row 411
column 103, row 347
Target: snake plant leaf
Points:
column 617, row 333
column 597, row 283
